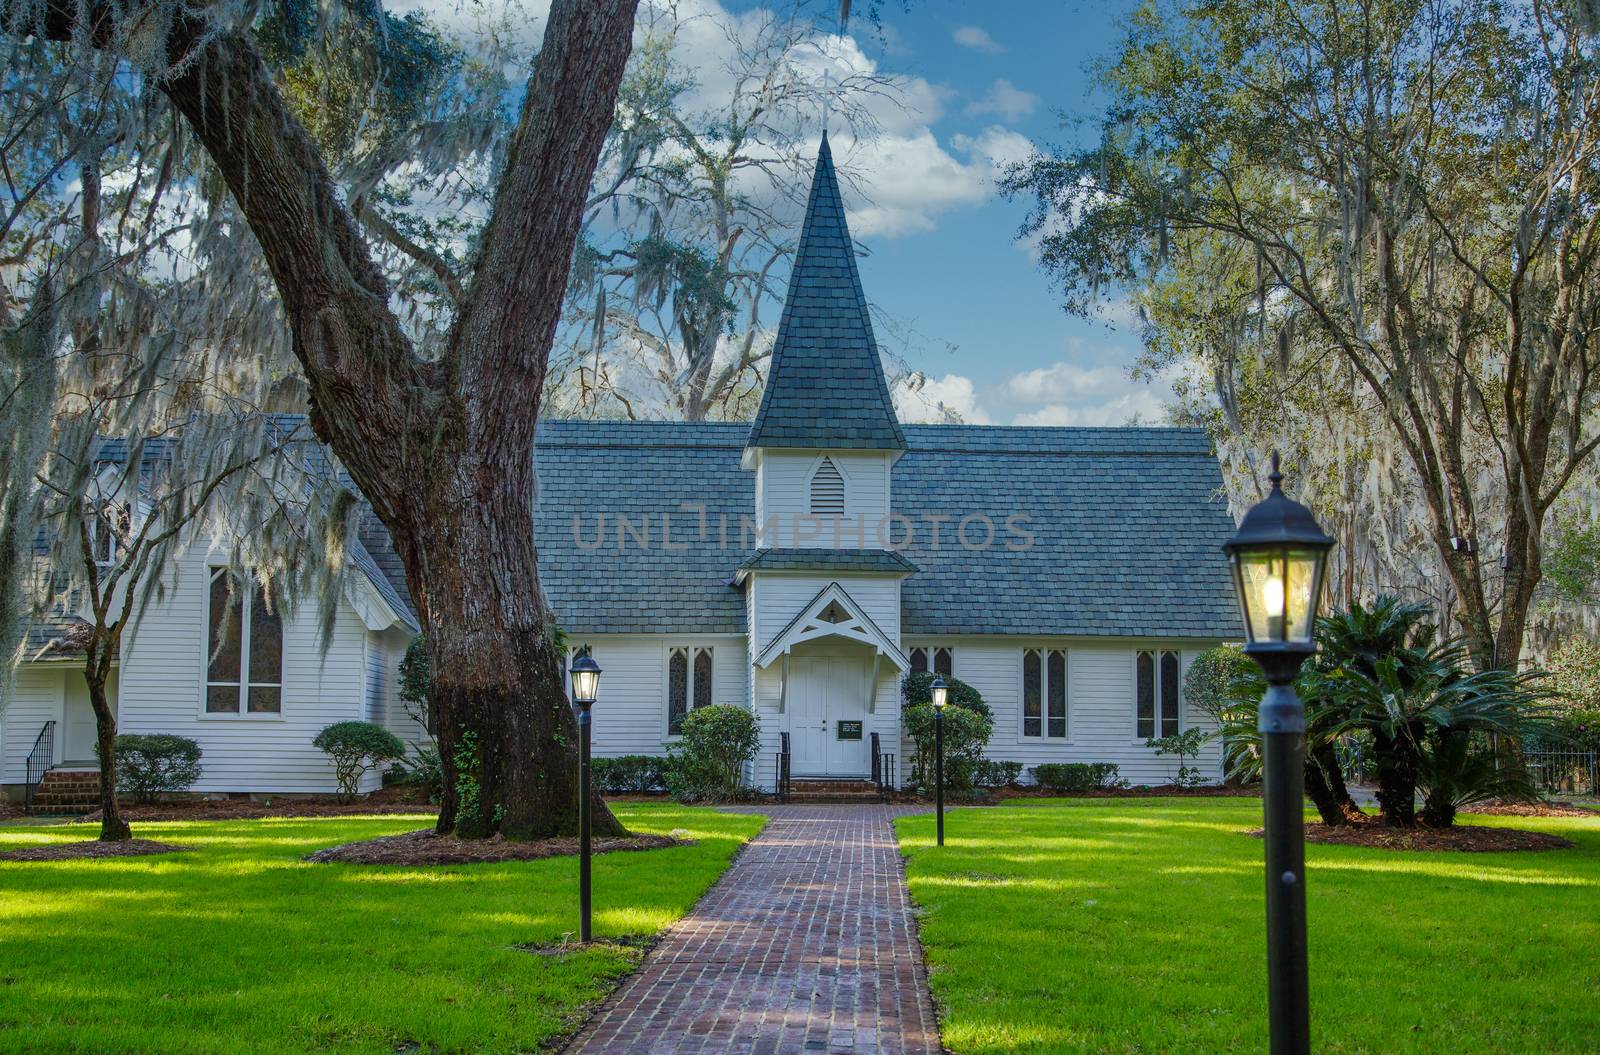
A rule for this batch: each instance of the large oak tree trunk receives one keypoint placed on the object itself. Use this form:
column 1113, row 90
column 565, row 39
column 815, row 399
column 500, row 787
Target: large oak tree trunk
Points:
column 443, row 450
column 508, row 738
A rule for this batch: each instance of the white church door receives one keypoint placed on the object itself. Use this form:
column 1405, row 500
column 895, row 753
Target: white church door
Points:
column 78, row 726
column 828, row 714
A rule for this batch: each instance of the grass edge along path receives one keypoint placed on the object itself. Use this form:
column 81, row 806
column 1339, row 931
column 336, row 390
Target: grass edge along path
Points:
column 1136, row 925
column 239, row 946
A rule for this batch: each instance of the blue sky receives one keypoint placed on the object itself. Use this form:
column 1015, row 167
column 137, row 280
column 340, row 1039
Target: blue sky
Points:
column 966, row 280
column 975, row 85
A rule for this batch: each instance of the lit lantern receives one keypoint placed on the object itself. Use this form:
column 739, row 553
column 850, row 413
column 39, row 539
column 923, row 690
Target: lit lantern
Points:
column 585, row 681
column 1279, row 554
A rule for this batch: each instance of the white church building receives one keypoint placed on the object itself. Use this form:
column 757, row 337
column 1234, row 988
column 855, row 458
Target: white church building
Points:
column 798, row 565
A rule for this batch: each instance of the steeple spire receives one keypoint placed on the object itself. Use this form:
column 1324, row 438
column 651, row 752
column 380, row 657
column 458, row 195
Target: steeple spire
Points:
column 825, row 388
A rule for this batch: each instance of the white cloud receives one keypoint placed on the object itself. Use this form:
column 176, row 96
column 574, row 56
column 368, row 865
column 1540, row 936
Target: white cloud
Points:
column 977, row 38
column 899, row 180
column 1065, row 381
column 1097, row 392
column 911, row 179
column 1143, row 407
column 936, row 399
column 1006, row 100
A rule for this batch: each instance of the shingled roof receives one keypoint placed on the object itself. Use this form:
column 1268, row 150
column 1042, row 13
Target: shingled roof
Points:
column 826, row 388
column 1126, row 526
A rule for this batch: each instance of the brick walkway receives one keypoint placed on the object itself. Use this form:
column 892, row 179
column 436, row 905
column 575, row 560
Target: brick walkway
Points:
column 805, row 945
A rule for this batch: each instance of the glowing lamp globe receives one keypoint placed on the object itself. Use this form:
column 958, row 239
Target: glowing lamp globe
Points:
column 1279, row 555
column 585, row 681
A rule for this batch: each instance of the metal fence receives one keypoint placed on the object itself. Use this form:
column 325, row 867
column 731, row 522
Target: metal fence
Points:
column 1573, row 772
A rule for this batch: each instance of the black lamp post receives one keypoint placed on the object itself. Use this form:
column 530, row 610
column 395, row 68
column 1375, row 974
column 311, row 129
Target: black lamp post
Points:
column 585, row 687
column 1279, row 555
column 941, row 696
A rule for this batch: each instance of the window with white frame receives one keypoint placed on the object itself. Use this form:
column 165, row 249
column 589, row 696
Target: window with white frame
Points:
column 937, row 659
column 1158, row 689
column 108, row 533
column 1044, row 693
column 689, row 682
column 827, row 490
column 244, row 661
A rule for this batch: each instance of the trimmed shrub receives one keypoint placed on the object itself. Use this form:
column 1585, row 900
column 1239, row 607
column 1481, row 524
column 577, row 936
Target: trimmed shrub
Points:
column 707, row 764
column 356, row 747
column 918, row 688
column 968, row 724
column 1077, row 776
column 156, row 763
column 1220, row 681
column 629, row 774
column 992, row 774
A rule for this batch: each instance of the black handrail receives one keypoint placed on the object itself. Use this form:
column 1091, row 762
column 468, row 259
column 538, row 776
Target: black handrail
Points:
column 783, row 768
column 882, row 770
column 40, row 759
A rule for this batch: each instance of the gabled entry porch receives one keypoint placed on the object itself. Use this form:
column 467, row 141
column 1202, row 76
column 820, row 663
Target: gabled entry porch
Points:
column 834, row 667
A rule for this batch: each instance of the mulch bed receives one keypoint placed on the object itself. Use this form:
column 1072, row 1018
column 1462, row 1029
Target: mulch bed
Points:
column 92, row 849
column 429, row 848
column 387, row 801
column 562, row 949
column 1466, row 839
column 1160, row 791
column 1533, row 809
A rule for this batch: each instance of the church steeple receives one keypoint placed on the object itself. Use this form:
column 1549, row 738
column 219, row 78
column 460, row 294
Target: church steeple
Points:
column 825, row 388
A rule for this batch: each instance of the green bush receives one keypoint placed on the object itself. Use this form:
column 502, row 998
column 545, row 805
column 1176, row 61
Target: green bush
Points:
column 1077, row 776
column 918, row 688
column 707, row 764
column 1220, row 681
column 1580, row 730
column 356, row 747
column 151, row 764
column 629, row 774
column 992, row 774
column 422, row 770
column 1185, row 745
column 968, row 724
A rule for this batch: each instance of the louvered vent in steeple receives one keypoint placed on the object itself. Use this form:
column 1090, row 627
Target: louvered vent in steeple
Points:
column 827, row 490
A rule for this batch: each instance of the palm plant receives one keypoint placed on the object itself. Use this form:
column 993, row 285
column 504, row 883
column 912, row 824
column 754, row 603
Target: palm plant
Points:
column 1435, row 723
column 1324, row 780
column 1382, row 676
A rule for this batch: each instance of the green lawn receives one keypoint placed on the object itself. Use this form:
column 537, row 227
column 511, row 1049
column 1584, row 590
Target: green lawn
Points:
column 241, row 947
column 1135, row 925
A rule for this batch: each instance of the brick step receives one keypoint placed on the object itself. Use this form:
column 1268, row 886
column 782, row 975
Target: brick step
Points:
column 832, row 791
column 73, row 805
column 69, row 787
